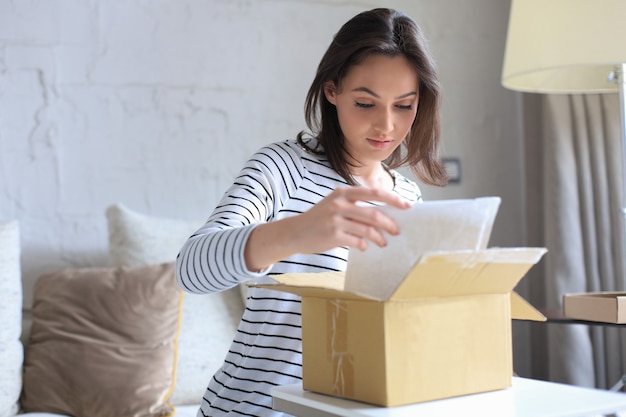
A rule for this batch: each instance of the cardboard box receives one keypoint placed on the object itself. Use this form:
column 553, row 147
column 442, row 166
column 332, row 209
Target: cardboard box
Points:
column 444, row 332
column 606, row 307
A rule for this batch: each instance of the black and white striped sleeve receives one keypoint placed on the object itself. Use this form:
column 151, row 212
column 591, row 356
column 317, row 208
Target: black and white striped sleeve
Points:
column 212, row 259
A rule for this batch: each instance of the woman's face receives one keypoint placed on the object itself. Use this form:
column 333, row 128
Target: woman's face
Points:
column 376, row 105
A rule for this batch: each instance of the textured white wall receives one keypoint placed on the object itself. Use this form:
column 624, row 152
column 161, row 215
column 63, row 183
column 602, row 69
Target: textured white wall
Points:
column 156, row 104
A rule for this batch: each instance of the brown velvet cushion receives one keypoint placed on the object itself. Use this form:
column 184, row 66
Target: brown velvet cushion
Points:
column 103, row 342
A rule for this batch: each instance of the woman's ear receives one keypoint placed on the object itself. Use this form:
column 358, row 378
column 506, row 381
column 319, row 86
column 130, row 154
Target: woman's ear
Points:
column 330, row 91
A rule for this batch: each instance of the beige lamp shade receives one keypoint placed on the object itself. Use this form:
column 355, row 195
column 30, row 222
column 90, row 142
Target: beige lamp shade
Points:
column 564, row 46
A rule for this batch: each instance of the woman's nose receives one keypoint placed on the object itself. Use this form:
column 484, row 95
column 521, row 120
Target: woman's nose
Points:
column 384, row 121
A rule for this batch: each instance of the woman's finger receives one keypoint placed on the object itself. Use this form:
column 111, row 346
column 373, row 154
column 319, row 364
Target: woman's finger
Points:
column 372, row 195
column 366, row 233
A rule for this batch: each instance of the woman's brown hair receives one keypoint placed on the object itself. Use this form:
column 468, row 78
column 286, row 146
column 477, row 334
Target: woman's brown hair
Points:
column 392, row 33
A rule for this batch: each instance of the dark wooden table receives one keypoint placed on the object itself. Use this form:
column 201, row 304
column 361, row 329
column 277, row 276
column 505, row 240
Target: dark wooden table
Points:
column 556, row 316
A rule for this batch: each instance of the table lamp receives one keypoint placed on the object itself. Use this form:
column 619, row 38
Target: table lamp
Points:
column 568, row 46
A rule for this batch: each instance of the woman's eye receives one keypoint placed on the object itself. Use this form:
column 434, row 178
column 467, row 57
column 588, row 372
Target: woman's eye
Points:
column 369, row 105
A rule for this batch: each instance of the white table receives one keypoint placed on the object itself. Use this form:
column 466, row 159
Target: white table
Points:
column 526, row 398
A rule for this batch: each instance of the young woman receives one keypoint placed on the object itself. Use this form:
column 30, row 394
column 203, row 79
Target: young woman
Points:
column 298, row 205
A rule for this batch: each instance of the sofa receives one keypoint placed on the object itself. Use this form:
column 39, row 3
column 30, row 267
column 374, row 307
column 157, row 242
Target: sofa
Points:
column 114, row 340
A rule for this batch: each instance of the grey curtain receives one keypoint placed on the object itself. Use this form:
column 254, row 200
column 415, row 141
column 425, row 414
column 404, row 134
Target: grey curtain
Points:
column 573, row 205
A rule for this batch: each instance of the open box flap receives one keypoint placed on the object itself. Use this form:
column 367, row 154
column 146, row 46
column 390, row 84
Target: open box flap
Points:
column 443, row 274
column 522, row 310
column 490, row 271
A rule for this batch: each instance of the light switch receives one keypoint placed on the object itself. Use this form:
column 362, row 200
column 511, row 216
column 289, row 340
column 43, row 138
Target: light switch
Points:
column 453, row 168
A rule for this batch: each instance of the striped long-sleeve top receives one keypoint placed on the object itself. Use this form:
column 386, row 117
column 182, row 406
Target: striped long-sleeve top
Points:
column 280, row 180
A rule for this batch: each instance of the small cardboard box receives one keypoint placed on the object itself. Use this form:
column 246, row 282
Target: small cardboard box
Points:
column 606, row 307
column 444, row 332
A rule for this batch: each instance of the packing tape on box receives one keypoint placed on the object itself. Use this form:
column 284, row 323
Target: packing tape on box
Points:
column 337, row 334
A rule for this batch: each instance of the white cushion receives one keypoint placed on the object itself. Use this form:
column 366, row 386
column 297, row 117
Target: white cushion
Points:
column 11, row 349
column 209, row 321
column 136, row 239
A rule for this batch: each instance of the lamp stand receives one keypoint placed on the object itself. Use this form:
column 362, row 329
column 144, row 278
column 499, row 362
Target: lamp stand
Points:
column 620, row 77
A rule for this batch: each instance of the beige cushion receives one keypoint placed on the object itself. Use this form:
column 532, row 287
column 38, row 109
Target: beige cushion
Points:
column 103, row 342
column 11, row 350
column 209, row 321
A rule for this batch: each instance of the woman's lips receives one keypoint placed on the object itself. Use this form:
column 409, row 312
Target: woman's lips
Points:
column 380, row 143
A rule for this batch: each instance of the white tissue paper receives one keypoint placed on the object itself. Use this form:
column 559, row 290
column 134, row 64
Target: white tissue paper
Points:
column 433, row 226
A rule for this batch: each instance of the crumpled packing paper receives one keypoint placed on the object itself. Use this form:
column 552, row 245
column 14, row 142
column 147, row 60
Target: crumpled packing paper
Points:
column 442, row 225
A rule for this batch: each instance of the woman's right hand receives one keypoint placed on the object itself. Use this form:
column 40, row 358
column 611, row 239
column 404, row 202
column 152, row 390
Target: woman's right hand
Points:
column 340, row 219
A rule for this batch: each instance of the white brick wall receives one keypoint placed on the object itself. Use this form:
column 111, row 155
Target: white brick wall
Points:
column 156, row 104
